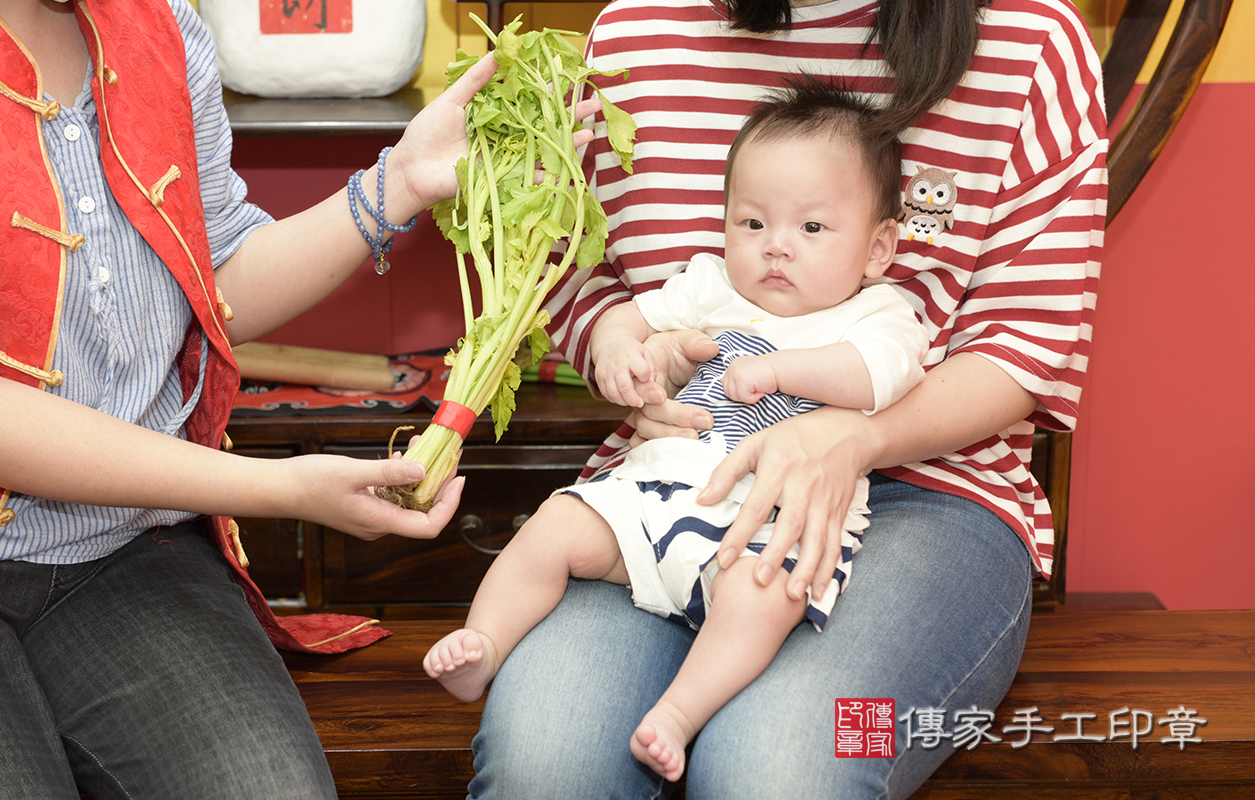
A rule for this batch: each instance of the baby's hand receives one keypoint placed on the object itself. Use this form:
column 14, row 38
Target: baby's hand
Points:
column 623, row 371
column 749, row 378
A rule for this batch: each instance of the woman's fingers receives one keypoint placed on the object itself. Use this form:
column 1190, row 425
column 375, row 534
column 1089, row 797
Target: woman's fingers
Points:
column 471, row 81
column 798, row 475
column 677, row 354
column 813, row 543
column 658, row 420
column 586, row 108
column 832, row 556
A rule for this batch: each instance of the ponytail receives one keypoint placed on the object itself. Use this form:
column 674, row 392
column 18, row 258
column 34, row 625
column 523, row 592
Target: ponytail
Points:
column 928, row 45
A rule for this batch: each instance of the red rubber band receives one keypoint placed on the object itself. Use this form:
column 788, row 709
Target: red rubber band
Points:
column 454, row 416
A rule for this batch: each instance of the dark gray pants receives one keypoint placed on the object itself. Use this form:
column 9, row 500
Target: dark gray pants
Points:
column 145, row 675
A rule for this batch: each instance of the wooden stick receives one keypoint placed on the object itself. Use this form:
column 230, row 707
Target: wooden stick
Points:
column 289, row 364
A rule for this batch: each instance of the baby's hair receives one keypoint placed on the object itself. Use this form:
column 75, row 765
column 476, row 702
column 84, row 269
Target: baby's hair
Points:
column 810, row 105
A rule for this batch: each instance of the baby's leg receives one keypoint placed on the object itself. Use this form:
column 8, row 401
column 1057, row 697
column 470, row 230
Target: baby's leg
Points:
column 745, row 626
column 564, row 538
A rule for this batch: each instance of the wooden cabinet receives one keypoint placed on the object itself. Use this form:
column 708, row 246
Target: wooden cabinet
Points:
column 304, row 566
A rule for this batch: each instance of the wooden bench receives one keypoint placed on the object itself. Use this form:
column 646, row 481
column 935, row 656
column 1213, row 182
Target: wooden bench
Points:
column 390, row 732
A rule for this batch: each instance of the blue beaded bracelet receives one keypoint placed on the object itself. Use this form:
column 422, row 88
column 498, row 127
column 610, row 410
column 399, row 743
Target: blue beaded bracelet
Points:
column 378, row 247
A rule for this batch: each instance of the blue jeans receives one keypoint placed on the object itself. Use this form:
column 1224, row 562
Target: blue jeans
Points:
column 145, row 675
column 936, row 616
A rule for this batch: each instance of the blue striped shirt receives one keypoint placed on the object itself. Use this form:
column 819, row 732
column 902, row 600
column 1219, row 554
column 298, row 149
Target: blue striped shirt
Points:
column 732, row 420
column 124, row 316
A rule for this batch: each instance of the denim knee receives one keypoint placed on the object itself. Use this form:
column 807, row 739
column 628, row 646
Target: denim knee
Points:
column 936, row 617
column 163, row 684
column 562, row 710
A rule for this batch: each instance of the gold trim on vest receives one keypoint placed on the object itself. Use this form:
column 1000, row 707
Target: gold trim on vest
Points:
column 54, row 378
column 73, row 241
column 157, row 194
column 48, row 111
column 233, row 533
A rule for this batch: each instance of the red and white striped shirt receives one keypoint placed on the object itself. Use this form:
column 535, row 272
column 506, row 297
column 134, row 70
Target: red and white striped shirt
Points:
column 1010, row 273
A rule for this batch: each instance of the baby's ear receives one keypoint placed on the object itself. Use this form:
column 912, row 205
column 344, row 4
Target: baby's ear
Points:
column 884, row 246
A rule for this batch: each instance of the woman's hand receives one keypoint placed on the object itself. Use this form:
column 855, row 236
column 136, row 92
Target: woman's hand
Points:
column 807, row 466
column 433, row 142
column 339, row 492
column 435, row 139
column 676, row 355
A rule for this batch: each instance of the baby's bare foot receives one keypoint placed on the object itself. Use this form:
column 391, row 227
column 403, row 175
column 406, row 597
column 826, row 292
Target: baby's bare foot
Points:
column 660, row 739
column 464, row 662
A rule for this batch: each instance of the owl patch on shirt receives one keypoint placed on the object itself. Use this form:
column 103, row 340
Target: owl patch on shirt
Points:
column 928, row 207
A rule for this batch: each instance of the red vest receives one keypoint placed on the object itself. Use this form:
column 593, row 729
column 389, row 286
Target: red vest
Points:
column 149, row 156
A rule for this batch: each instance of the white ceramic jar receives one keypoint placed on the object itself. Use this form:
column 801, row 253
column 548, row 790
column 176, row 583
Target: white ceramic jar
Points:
column 316, row 48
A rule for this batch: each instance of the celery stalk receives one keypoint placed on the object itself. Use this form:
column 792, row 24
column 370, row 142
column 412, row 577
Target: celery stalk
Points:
column 507, row 223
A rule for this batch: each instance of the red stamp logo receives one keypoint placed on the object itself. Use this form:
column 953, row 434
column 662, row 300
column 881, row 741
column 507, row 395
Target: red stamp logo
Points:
column 865, row 727
column 306, row 16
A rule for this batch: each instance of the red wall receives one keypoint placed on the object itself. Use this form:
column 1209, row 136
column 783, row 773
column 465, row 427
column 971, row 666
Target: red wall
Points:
column 1163, row 478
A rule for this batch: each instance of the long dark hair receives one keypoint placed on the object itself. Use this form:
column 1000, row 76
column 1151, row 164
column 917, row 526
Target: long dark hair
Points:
column 928, row 45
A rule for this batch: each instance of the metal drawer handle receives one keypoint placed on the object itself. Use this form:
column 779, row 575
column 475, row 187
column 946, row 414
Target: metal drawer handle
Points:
column 470, row 525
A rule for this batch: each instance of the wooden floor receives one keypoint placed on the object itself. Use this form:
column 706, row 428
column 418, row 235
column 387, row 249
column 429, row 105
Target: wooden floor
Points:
column 392, row 733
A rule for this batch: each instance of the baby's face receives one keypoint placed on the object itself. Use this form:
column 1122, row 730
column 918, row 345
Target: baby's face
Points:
column 799, row 224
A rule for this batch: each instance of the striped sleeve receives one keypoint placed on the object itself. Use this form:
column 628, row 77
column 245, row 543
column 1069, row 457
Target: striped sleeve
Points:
column 682, row 89
column 1030, row 301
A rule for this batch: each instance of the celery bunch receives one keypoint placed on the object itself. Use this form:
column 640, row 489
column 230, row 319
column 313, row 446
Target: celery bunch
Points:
column 508, row 221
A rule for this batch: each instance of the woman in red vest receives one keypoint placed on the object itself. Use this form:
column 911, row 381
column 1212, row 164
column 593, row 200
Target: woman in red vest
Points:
column 132, row 660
